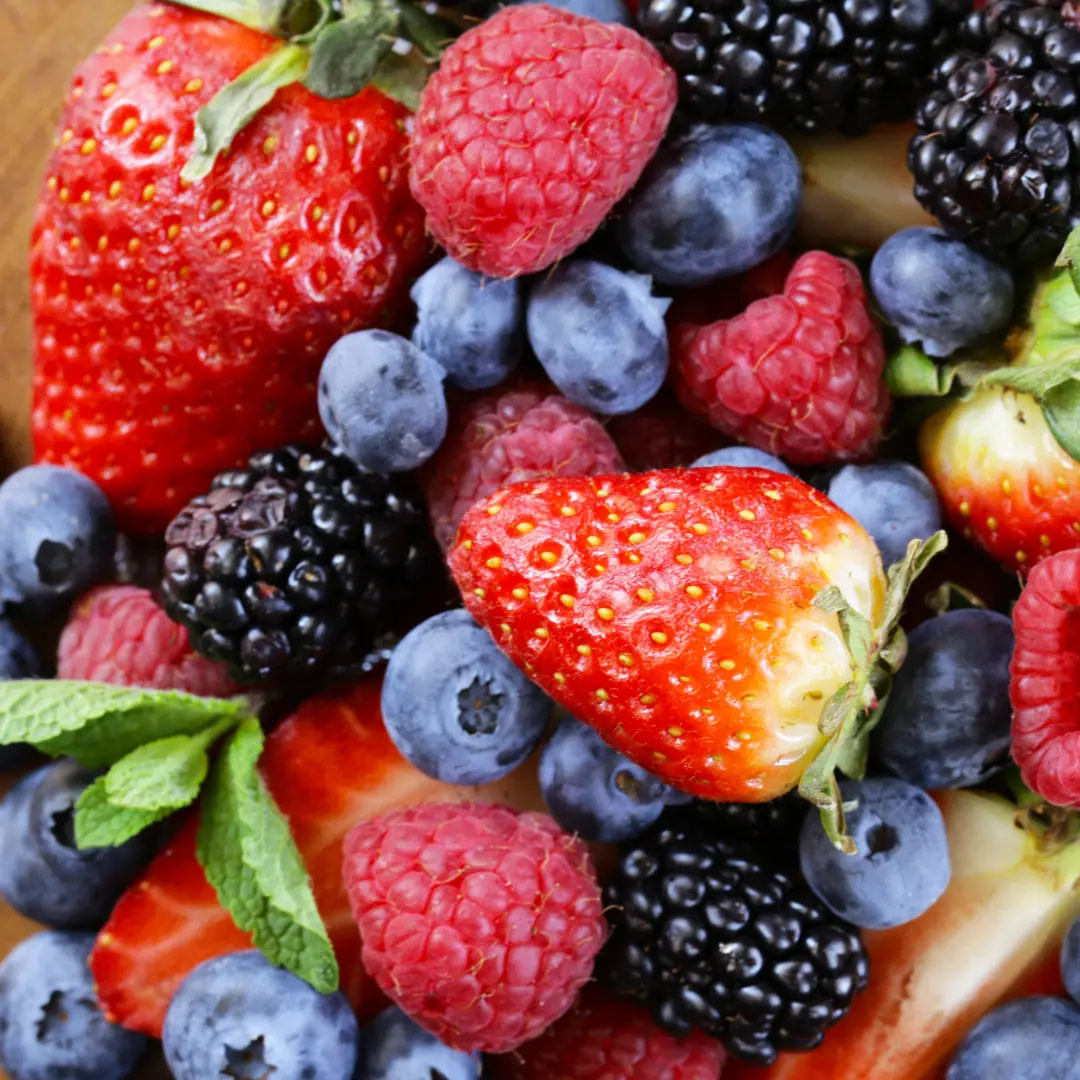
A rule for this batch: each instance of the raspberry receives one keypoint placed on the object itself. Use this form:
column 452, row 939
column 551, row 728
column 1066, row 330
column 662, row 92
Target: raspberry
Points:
column 799, row 374
column 505, row 437
column 1045, row 680
column 661, row 435
column 605, row 1039
column 537, row 122
column 117, row 634
column 479, row 922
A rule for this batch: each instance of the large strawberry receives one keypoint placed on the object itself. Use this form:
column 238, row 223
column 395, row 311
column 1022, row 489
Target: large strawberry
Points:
column 995, row 933
column 180, row 323
column 675, row 612
column 328, row 766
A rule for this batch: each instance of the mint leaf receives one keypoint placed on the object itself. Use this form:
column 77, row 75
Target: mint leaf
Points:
column 250, row 858
column 165, row 774
column 100, row 824
column 98, row 723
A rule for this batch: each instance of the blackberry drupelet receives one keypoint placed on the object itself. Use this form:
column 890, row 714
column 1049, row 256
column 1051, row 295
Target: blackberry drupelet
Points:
column 818, row 65
column 298, row 562
column 710, row 937
column 997, row 154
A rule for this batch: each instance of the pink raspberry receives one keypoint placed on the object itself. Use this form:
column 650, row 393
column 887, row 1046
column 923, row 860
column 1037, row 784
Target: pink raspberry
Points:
column 536, row 124
column 799, row 374
column 482, row 923
column 507, row 436
column 604, row 1039
column 662, row 435
column 118, row 634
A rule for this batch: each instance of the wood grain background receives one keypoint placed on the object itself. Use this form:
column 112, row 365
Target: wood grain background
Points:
column 41, row 41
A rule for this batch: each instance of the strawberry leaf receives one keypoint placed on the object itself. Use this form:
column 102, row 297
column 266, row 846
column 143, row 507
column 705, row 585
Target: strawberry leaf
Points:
column 285, row 18
column 251, row 859
column 819, row 786
column 1061, row 407
column 99, row 723
column 911, row 373
column 1070, row 257
column 346, row 55
column 98, row 823
column 231, row 109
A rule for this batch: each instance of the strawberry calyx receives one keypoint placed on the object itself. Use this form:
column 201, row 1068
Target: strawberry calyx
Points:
column 850, row 715
column 334, row 49
column 1040, row 358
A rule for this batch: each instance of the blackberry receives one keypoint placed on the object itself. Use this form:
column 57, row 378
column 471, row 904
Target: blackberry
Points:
column 770, row 828
column 996, row 157
column 817, row 65
column 710, row 937
column 297, row 562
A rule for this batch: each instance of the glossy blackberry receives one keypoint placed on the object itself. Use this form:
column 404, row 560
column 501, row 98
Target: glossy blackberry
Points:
column 710, row 937
column 997, row 154
column 771, row 828
column 817, row 65
column 297, row 562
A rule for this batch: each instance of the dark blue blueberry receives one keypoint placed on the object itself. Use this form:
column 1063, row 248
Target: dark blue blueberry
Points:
column 947, row 721
column 472, row 326
column 50, row 1025
column 594, row 791
column 742, row 457
column 43, row 874
column 612, row 11
column 456, row 706
column 901, row 865
column 238, row 1015
column 398, row 1049
column 716, row 201
column 57, row 537
column 1070, row 961
column 600, row 335
column 1034, row 1038
column 892, row 500
column 938, row 291
column 381, row 400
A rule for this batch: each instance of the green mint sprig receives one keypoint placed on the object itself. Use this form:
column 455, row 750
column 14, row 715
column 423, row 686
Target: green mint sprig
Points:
column 156, row 746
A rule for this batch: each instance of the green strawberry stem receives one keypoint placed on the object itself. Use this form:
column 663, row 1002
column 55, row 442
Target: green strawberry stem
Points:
column 853, row 711
column 392, row 45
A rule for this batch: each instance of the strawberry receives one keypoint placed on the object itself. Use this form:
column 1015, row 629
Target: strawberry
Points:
column 674, row 612
column 994, row 934
column 328, row 766
column 537, row 122
column 180, row 325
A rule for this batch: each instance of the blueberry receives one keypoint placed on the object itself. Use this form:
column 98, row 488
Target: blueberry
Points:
column 938, row 291
column 1070, row 961
column 398, row 1049
column 43, row 874
column 947, row 721
column 742, row 457
column 381, row 399
column 51, row 1027
column 470, row 325
column 600, row 335
column 612, row 11
column 1034, row 1038
column 902, row 861
column 715, row 202
column 238, row 1015
column 892, row 500
column 457, row 707
column 57, row 540
column 594, row 791
column 18, row 660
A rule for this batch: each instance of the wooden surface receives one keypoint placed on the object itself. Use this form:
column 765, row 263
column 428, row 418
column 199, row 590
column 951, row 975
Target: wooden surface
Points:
column 41, row 41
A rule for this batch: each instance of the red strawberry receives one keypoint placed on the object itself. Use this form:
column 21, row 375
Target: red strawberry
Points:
column 537, row 122
column 673, row 611
column 167, row 923
column 328, row 766
column 1045, row 680
column 992, row 935
column 798, row 375
column 180, row 326
column 1002, row 477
